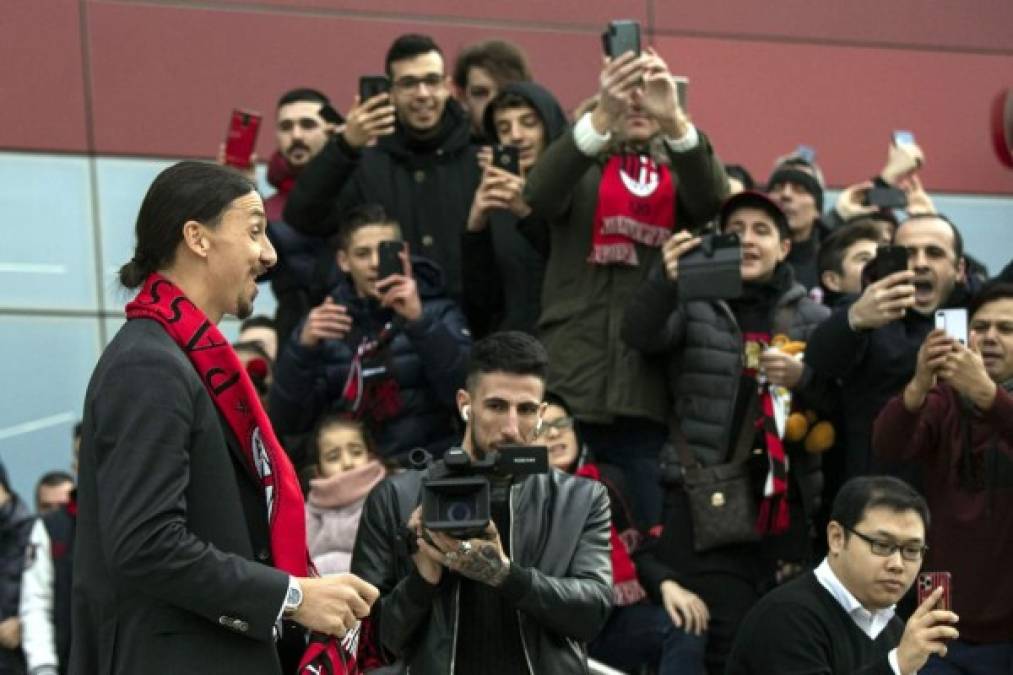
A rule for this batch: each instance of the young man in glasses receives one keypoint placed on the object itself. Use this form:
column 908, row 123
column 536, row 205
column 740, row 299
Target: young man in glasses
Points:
column 409, row 151
column 839, row 618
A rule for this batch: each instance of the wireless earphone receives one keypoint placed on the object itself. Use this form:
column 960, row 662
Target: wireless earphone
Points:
column 465, row 412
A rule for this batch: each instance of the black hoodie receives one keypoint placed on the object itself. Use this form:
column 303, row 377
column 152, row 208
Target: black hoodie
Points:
column 504, row 264
column 426, row 185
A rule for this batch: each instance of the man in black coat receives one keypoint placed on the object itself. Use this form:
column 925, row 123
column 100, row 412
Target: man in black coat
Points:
column 409, row 151
column 15, row 529
column 180, row 563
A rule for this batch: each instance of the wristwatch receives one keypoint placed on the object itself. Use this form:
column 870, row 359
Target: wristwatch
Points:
column 293, row 599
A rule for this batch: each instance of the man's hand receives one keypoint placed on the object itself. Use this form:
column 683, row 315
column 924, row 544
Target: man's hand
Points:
column 925, row 634
column 851, row 202
column 678, row 245
column 964, row 370
column 480, row 559
column 883, row 301
column 400, row 292
column 10, row 633
column 901, row 161
column 782, row 370
column 499, row 189
column 661, row 98
column 931, row 356
column 249, row 172
column 685, row 608
column 369, row 120
column 333, row 605
column 326, row 321
column 615, row 84
column 428, row 559
column 918, row 201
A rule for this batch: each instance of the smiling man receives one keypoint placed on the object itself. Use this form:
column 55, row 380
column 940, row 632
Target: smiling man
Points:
column 527, row 595
column 871, row 344
column 840, row 617
column 408, row 151
column 190, row 545
column 955, row 418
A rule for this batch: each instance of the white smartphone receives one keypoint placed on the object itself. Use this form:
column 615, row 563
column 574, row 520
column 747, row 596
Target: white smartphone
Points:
column 954, row 322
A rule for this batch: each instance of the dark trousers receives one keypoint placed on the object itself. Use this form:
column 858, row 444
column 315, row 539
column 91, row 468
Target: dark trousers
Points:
column 729, row 598
column 639, row 635
column 632, row 445
column 963, row 658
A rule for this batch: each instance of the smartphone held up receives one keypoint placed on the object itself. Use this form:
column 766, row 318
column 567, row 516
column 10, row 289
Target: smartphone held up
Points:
column 621, row 36
column 241, row 138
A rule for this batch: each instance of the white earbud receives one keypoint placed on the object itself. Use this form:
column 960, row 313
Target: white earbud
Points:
column 465, row 412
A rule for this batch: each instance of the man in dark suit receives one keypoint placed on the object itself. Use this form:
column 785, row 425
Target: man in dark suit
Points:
column 190, row 538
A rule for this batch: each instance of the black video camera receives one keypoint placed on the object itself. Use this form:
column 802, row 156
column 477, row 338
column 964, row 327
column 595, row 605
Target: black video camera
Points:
column 457, row 493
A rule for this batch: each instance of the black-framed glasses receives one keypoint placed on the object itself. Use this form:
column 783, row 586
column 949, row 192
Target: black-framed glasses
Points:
column 560, row 424
column 885, row 549
column 410, row 83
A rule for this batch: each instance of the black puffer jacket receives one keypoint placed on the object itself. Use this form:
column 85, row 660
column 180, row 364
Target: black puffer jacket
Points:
column 427, row 358
column 560, row 578
column 426, row 186
column 15, row 529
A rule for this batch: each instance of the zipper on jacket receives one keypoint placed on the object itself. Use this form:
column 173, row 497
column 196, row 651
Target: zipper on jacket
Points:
column 457, row 614
column 513, row 554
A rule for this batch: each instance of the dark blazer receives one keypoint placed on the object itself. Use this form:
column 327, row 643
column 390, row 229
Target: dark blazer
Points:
column 172, row 565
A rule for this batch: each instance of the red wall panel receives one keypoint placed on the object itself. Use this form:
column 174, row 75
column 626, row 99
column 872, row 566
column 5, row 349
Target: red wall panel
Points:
column 759, row 100
column 981, row 25
column 165, row 79
column 41, row 78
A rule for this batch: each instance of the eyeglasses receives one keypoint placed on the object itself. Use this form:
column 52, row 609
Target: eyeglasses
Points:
column 410, row 83
column 885, row 549
column 559, row 425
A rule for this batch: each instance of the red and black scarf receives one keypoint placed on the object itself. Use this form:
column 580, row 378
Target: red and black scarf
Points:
column 235, row 397
column 636, row 204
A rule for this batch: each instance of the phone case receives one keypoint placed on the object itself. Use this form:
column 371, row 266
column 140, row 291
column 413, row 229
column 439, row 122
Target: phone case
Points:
column 713, row 270
column 954, row 322
column 507, row 157
column 372, row 85
column 930, row 581
column 389, row 260
column 241, row 138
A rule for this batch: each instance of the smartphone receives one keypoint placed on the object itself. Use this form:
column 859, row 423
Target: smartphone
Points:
column 372, row 85
column 930, row 581
column 712, row 270
column 389, row 259
column 903, row 138
column 507, row 157
column 954, row 322
column 241, row 138
column 682, row 91
column 886, row 198
column 807, row 153
column 621, row 37
column 889, row 259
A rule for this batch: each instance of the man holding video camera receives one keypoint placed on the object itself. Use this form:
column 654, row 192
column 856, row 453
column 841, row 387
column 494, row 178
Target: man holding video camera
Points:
column 533, row 585
column 871, row 344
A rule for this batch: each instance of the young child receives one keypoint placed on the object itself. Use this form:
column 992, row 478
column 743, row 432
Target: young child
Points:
column 346, row 470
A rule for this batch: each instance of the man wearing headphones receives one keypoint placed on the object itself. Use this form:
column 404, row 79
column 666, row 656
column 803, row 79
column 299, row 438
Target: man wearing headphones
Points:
column 528, row 594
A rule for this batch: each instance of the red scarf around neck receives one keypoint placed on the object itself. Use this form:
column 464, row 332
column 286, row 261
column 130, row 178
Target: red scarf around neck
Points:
column 636, row 204
column 233, row 393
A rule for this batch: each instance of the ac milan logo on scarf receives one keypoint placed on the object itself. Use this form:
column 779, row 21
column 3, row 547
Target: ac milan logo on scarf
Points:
column 262, row 460
column 640, row 175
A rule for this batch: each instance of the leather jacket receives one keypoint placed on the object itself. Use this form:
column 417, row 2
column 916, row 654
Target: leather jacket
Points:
column 560, row 577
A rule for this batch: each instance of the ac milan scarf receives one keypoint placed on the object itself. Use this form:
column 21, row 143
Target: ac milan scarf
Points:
column 234, row 395
column 636, row 204
column 375, row 399
column 626, row 589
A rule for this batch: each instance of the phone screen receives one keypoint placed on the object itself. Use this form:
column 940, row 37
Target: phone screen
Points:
column 903, row 138
column 241, row 138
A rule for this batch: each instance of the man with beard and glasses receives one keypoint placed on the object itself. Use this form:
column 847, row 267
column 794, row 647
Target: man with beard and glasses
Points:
column 408, row 151
column 955, row 418
column 190, row 545
column 871, row 344
column 528, row 593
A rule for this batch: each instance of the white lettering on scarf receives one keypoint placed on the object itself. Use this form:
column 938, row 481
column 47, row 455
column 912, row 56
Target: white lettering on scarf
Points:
column 262, row 461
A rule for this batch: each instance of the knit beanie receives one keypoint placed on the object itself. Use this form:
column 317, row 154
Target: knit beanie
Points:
column 804, row 179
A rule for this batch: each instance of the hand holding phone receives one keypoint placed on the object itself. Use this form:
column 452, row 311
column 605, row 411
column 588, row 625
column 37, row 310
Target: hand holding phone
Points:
column 389, row 259
column 367, row 121
column 889, row 260
column 954, row 322
column 241, row 138
column 371, row 86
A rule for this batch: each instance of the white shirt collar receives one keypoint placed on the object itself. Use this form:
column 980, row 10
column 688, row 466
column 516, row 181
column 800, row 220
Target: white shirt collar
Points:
column 871, row 623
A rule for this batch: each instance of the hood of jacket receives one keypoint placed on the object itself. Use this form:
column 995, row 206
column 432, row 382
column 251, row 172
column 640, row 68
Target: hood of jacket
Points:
column 544, row 103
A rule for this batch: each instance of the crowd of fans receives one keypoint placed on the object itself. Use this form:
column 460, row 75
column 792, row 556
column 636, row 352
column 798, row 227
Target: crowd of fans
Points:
column 815, row 372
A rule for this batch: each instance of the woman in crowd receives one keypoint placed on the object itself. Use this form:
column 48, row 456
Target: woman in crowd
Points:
column 637, row 632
